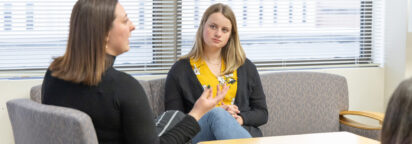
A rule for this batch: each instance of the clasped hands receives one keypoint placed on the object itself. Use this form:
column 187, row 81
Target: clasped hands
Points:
column 234, row 111
column 206, row 102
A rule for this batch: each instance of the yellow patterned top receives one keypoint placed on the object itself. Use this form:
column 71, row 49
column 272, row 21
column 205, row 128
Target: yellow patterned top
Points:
column 206, row 77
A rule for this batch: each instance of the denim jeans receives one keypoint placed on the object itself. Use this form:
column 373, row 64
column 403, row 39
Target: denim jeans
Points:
column 218, row 124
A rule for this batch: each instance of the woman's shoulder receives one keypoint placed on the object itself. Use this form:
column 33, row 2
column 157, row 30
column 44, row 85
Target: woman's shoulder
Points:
column 248, row 64
column 247, row 61
column 181, row 62
column 48, row 78
column 180, row 65
column 122, row 78
column 48, row 73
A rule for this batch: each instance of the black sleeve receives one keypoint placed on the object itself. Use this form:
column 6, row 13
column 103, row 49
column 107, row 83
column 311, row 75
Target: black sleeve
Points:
column 137, row 121
column 258, row 113
column 173, row 96
column 182, row 132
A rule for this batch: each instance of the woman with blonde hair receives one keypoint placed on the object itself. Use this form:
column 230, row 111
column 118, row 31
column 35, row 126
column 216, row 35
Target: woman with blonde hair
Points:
column 217, row 59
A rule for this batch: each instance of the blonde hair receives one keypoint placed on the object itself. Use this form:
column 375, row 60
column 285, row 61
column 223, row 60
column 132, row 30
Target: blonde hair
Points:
column 85, row 58
column 232, row 53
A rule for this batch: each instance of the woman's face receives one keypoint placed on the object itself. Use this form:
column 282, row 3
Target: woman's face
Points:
column 118, row 38
column 216, row 31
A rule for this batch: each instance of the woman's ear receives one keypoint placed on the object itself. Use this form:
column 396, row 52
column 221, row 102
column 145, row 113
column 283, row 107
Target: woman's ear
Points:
column 106, row 46
column 107, row 40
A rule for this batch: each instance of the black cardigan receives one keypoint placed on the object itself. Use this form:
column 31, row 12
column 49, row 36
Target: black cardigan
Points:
column 118, row 107
column 183, row 89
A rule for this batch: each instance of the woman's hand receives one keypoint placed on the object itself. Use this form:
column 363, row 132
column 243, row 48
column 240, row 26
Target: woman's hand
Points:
column 238, row 119
column 206, row 101
column 232, row 109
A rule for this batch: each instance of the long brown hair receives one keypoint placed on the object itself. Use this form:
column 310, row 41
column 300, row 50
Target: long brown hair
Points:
column 84, row 60
column 397, row 125
column 232, row 53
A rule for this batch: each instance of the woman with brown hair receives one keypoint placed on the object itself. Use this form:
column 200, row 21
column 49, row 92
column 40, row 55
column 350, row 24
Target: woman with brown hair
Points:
column 84, row 79
column 397, row 125
column 218, row 59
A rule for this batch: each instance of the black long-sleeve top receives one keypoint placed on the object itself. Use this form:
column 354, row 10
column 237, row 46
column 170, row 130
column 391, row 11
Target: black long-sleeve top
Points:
column 183, row 89
column 118, row 107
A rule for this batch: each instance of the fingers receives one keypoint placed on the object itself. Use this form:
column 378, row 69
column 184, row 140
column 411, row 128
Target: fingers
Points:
column 218, row 88
column 210, row 95
column 221, row 93
column 207, row 92
column 225, row 107
column 232, row 113
column 234, row 108
column 236, row 116
column 225, row 89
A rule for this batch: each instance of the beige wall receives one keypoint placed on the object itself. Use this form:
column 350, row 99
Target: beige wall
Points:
column 408, row 53
column 366, row 87
column 397, row 55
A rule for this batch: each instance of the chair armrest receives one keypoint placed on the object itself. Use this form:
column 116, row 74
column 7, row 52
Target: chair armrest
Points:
column 352, row 123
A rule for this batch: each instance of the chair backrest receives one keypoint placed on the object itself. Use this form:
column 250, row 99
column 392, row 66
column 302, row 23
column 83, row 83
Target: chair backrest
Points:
column 303, row 102
column 35, row 123
column 157, row 96
column 35, row 91
column 157, row 107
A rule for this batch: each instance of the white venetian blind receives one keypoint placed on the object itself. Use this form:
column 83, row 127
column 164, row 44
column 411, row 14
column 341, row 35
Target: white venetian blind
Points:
column 274, row 33
column 289, row 33
column 32, row 32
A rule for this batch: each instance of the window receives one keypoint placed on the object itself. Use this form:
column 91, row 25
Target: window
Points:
column 32, row 32
column 275, row 33
column 288, row 33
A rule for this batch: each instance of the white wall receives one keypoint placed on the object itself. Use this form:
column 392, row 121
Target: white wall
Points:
column 395, row 45
column 408, row 53
column 366, row 88
column 409, row 42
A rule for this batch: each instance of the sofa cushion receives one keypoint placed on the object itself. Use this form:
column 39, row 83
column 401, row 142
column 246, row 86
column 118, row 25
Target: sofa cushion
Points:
column 303, row 102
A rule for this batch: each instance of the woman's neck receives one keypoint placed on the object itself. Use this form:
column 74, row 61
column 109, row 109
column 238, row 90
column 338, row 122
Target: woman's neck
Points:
column 109, row 60
column 213, row 59
column 212, row 56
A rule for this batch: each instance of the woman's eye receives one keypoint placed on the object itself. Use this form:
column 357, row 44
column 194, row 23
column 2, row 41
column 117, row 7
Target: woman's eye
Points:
column 212, row 26
column 225, row 30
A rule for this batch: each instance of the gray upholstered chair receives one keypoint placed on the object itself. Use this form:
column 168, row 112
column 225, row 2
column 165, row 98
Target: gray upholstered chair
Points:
column 311, row 102
column 35, row 123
